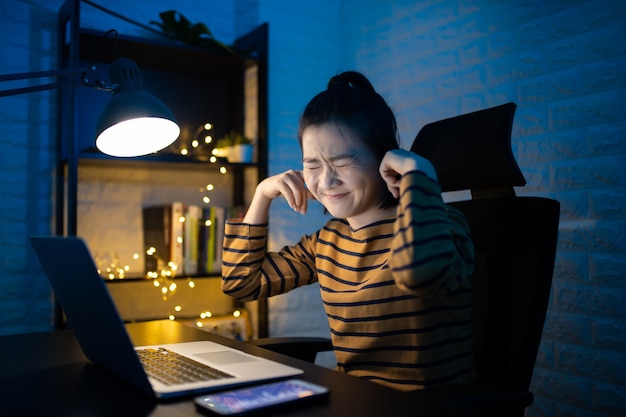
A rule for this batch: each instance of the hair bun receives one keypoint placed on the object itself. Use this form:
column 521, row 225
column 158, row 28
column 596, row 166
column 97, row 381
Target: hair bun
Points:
column 350, row 79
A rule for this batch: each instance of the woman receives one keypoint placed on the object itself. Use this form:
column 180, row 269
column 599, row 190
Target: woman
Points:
column 393, row 262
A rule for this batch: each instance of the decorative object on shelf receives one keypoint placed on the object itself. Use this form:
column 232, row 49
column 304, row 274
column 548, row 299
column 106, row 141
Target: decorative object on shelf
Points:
column 177, row 27
column 109, row 266
column 159, row 267
column 201, row 143
column 235, row 147
column 234, row 326
column 163, row 274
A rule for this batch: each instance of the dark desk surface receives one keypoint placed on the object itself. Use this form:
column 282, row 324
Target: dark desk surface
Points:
column 47, row 374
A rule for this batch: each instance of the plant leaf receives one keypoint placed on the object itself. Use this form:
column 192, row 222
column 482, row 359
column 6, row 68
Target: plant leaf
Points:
column 176, row 26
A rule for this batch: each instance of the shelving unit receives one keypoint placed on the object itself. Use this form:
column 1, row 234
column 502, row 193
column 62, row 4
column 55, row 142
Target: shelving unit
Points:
column 200, row 85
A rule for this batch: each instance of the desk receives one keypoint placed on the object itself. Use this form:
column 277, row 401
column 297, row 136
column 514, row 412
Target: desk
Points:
column 47, row 374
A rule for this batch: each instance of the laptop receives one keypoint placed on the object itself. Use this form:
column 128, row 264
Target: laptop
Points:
column 100, row 331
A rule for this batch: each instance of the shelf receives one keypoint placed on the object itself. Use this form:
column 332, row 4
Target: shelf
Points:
column 98, row 158
column 138, row 300
column 142, row 278
column 102, row 197
column 150, row 53
column 198, row 84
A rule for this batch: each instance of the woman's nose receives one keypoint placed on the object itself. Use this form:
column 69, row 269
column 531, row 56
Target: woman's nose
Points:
column 329, row 178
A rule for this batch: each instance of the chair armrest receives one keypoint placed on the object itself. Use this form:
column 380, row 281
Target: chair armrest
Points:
column 300, row 347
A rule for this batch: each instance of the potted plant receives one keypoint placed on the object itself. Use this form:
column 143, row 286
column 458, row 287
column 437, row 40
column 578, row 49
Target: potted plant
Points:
column 235, row 147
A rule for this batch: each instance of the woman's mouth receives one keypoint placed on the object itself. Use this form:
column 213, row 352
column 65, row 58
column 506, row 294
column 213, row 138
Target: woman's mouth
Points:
column 334, row 197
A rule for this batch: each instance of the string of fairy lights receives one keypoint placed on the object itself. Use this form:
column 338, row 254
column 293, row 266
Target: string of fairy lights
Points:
column 163, row 276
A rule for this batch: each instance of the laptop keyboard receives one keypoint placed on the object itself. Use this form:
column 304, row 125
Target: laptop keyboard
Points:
column 171, row 368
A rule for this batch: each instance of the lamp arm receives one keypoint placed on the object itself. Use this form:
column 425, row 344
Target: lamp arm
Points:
column 84, row 80
column 41, row 74
column 124, row 116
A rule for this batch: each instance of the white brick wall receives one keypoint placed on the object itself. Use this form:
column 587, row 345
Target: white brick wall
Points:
column 25, row 168
column 562, row 62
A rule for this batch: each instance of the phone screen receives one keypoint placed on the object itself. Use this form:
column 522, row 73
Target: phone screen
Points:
column 257, row 397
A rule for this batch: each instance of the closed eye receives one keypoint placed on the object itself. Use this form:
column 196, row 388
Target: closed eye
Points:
column 339, row 161
column 345, row 161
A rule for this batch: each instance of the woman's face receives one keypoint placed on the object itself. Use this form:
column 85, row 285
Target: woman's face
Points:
column 342, row 173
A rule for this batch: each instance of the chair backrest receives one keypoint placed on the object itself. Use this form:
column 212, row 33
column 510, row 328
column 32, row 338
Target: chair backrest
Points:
column 515, row 239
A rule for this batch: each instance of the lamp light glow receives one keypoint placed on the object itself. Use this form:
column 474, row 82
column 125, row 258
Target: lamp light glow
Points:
column 136, row 137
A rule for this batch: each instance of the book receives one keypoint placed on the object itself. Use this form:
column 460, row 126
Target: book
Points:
column 176, row 248
column 213, row 237
column 162, row 236
column 156, row 237
column 193, row 216
column 218, row 224
column 189, row 236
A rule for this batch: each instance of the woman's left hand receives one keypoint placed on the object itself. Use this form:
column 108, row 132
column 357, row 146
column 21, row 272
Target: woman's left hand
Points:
column 398, row 162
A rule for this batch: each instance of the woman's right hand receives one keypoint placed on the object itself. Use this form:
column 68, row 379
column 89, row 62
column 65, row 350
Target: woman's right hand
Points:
column 289, row 184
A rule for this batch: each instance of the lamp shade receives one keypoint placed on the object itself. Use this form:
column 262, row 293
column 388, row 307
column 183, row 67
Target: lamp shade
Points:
column 134, row 122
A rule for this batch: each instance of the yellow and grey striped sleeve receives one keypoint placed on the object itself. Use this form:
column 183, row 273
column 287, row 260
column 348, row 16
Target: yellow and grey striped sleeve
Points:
column 249, row 273
column 432, row 251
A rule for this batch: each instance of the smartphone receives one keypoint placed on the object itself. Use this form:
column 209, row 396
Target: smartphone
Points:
column 260, row 397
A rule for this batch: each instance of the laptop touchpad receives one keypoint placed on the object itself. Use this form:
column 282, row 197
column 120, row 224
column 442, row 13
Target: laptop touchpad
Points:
column 225, row 357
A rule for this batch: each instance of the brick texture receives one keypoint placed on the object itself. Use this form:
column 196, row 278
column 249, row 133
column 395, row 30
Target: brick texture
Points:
column 562, row 63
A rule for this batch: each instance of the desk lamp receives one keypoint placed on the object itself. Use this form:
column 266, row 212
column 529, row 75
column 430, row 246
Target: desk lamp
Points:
column 133, row 123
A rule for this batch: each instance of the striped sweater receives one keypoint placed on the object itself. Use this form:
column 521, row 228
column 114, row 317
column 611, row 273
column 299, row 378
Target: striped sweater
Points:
column 396, row 292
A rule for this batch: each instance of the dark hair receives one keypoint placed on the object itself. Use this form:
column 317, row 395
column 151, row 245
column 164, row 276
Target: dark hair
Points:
column 351, row 101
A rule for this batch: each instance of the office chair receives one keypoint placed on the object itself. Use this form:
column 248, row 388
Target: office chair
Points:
column 515, row 241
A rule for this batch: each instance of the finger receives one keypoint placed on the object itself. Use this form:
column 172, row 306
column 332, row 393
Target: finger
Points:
column 286, row 192
column 395, row 191
column 296, row 182
column 393, row 183
column 301, row 194
column 394, row 188
column 294, row 190
column 304, row 206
